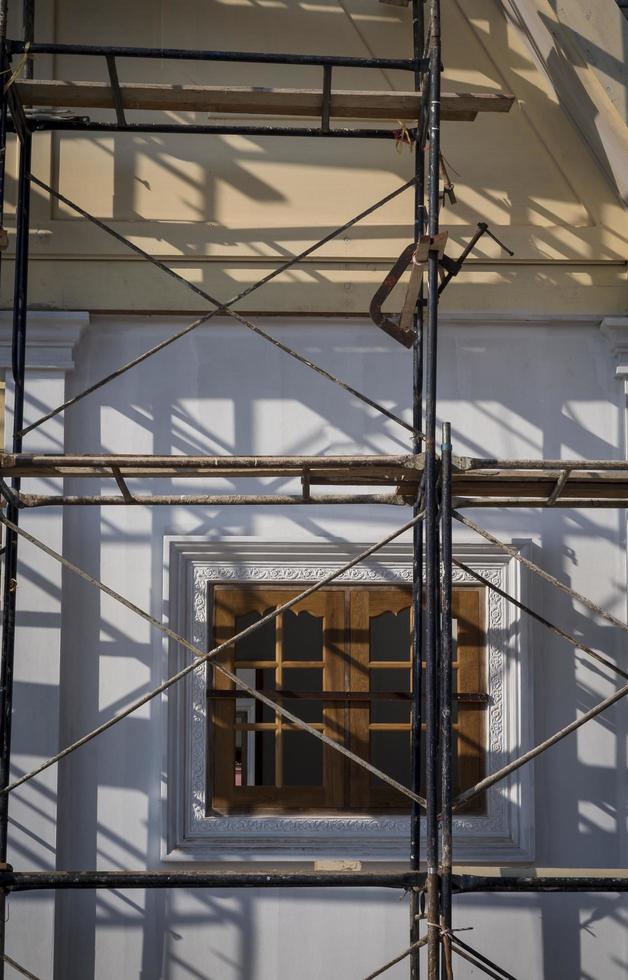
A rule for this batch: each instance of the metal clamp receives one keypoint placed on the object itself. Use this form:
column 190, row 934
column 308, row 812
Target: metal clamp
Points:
column 400, row 328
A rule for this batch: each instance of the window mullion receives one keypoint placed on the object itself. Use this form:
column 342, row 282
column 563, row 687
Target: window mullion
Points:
column 279, row 744
column 359, row 715
column 333, row 654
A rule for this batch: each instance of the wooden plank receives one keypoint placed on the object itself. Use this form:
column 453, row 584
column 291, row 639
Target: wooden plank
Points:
column 252, row 100
column 603, row 489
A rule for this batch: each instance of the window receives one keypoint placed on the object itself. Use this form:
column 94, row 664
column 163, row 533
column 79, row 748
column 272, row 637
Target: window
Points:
column 340, row 660
column 499, row 828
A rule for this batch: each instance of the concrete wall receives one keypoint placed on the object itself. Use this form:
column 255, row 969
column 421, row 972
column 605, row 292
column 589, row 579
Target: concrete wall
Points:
column 509, row 389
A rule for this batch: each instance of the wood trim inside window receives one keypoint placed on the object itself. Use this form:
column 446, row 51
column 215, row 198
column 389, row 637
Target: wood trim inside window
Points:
column 353, row 645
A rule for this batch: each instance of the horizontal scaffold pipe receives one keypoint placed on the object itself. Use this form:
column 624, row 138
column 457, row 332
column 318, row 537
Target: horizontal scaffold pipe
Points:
column 45, row 880
column 541, row 883
column 99, row 465
column 32, row 500
column 191, row 54
column 84, row 125
column 532, row 503
column 40, row 880
column 477, row 463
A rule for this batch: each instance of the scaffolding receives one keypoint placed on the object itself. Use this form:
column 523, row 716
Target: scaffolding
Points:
column 436, row 485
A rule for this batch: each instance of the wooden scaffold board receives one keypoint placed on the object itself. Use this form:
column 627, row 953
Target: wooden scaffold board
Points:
column 252, row 100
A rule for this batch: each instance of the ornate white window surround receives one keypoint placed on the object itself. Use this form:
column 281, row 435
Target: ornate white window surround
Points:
column 504, row 833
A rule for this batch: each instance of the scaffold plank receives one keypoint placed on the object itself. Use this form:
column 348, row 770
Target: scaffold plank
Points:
column 360, row 468
column 478, row 483
column 253, row 100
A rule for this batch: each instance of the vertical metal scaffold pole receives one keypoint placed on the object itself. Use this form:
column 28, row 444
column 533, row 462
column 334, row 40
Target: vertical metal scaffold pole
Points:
column 416, row 816
column 4, row 65
column 4, row 61
column 431, row 507
column 10, row 555
column 28, row 28
column 446, row 701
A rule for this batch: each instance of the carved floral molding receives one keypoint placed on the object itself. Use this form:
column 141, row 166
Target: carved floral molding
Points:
column 194, row 833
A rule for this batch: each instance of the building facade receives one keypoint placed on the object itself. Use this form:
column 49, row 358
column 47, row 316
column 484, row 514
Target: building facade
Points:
column 533, row 363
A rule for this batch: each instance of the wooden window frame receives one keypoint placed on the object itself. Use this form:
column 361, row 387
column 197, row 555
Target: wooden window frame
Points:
column 328, row 605
column 346, row 614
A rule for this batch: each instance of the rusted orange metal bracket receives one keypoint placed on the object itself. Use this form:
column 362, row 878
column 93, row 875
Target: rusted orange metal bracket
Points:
column 414, row 256
column 401, row 328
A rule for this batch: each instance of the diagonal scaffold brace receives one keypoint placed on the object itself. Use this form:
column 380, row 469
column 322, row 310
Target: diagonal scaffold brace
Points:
column 221, row 308
column 204, row 657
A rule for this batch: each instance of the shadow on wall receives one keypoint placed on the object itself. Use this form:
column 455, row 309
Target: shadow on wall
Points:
column 231, row 205
column 110, row 802
column 219, row 392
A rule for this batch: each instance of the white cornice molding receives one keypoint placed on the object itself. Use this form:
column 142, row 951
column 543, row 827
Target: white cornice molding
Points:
column 615, row 329
column 50, row 339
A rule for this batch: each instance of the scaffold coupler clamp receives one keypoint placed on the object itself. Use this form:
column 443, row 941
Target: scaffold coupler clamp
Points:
column 4, row 869
column 401, row 327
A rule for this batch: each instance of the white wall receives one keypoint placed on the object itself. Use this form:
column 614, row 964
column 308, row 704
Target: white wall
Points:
column 515, row 389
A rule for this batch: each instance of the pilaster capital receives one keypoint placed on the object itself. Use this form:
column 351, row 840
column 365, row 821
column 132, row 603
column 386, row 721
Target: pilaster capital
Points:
column 51, row 337
column 615, row 329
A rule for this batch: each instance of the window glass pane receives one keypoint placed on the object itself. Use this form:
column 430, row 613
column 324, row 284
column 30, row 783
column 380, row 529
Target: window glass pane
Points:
column 243, row 773
column 259, row 645
column 264, row 681
column 261, row 746
column 304, row 679
column 302, row 636
column 302, row 759
column 261, row 680
column 248, row 676
column 390, row 636
column 390, row 752
column 397, row 680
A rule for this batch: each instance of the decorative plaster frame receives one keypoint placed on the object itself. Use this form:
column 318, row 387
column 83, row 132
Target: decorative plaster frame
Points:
column 504, row 833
